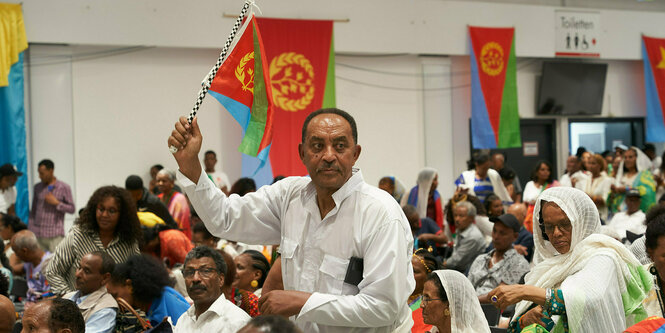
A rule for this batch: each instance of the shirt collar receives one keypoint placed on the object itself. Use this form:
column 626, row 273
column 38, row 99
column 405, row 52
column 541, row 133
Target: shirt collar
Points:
column 467, row 231
column 216, row 307
column 309, row 192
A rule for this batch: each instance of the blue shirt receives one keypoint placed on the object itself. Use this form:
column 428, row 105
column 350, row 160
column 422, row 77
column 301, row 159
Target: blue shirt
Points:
column 102, row 321
column 169, row 304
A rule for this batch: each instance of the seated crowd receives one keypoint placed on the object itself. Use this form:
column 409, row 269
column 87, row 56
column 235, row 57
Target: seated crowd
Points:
column 581, row 254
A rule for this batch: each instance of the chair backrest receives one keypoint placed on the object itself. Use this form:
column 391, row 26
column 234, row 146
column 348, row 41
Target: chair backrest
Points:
column 492, row 314
column 498, row 330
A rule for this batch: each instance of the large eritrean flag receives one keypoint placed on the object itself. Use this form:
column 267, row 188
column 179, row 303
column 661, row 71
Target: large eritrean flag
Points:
column 242, row 85
column 301, row 60
column 12, row 110
column 494, row 118
column 653, row 51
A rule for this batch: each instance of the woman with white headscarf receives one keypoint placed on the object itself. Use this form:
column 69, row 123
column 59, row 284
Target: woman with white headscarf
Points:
column 425, row 197
column 393, row 186
column 582, row 281
column 633, row 172
column 449, row 302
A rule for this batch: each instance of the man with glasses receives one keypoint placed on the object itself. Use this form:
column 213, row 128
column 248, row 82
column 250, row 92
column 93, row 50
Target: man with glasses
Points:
column 204, row 272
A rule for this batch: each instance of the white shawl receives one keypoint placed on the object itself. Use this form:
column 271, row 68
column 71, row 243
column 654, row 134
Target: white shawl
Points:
column 466, row 315
column 590, row 307
column 424, row 182
column 499, row 189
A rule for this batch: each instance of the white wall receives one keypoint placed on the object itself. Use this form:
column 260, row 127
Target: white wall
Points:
column 374, row 26
column 104, row 112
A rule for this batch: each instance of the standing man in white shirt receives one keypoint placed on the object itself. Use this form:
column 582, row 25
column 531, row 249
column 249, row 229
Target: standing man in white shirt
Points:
column 218, row 177
column 346, row 246
column 204, row 272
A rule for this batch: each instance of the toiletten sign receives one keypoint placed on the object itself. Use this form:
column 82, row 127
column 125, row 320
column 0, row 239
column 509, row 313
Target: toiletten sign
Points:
column 577, row 34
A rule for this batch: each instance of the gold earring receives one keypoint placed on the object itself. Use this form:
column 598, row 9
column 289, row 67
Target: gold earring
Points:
column 446, row 312
column 254, row 283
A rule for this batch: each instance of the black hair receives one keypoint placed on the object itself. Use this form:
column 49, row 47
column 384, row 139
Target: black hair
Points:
column 277, row 178
column 655, row 229
column 429, row 260
column 580, row 150
column 654, row 212
column 150, row 233
column 488, row 201
column 273, row 324
column 480, row 157
column 341, row 113
column 649, row 146
column 157, row 166
column 4, row 285
column 48, row 164
column 128, row 228
column 260, row 262
column 210, row 152
column 65, row 314
column 200, row 227
column 13, row 222
column 134, row 182
column 507, row 173
column 207, row 252
column 437, row 282
column 108, row 264
column 534, row 173
column 606, row 153
column 243, row 186
column 148, row 276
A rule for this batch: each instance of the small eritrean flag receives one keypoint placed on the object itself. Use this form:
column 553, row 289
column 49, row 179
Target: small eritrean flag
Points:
column 653, row 51
column 242, row 85
column 494, row 117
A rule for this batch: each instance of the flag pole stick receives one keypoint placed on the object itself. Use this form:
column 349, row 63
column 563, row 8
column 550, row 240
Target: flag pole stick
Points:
column 207, row 81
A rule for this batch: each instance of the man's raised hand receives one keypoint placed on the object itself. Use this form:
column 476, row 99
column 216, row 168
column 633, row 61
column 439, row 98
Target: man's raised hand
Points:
column 187, row 138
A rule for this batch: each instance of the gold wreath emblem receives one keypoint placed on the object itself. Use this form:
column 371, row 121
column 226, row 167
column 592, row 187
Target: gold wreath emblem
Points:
column 292, row 77
column 246, row 76
column 491, row 58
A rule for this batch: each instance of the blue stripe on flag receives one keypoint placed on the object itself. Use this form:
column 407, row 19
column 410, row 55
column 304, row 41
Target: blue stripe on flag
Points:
column 655, row 124
column 251, row 167
column 482, row 133
column 13, row 135
column 239, row 111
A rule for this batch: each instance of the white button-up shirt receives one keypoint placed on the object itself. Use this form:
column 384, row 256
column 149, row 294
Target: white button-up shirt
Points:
column 222, row 316
column 366, row 222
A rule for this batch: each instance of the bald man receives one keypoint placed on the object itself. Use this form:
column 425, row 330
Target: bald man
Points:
column 7, row 315
column 524, row 242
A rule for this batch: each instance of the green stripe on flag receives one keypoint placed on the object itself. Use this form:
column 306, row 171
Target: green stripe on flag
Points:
column 259, row 113
column 329, row 100
column 509, row 121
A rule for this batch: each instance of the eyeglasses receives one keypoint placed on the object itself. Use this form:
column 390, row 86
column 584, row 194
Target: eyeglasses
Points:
column 204, row 272
column 426, row 299
column 111, row 211
column 563, row 227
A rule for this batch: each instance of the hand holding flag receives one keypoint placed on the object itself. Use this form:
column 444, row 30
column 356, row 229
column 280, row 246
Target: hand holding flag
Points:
column 187, row 139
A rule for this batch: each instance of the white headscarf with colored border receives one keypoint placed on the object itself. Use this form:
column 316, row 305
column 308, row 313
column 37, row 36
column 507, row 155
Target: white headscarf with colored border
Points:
column 466, row 315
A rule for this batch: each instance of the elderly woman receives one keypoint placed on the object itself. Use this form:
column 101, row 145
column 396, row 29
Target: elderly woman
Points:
column 450, row 304
column 582, row 281
column 251, row 271
column 175, row 201
column 108, row 223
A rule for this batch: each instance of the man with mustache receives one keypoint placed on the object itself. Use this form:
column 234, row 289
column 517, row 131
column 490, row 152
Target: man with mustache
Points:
column 345, row 245
column 204, row 272
column 97, row 306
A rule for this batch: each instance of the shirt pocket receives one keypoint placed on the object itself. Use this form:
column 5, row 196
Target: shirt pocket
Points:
column 287, row 252
column 331, row 275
